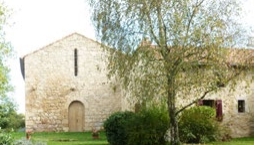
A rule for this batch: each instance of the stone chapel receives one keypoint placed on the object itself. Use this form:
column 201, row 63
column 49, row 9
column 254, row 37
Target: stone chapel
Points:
column 67, row 89
column 66, row 86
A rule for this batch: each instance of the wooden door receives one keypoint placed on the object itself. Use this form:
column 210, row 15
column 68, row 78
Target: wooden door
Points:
column 76, row 116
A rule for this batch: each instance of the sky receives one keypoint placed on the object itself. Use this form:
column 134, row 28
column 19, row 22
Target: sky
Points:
column 36, row 23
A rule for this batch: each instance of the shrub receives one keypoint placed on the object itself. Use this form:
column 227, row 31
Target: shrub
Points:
column 9, row 118
column 148, row 127
column 198, row 125
column 17, row 121
column 5, row 138
column 115, row 128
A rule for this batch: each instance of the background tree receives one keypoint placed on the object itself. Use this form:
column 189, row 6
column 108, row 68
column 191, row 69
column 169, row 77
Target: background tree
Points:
column 182, row 54
column 7, row 105
column 5, row 53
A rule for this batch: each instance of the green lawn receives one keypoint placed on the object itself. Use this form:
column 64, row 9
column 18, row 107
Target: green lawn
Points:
column 85, row 138
column 65, row 138
column 237, row 141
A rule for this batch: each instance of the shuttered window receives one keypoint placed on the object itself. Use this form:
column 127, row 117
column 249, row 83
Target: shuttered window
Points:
column 217, row 104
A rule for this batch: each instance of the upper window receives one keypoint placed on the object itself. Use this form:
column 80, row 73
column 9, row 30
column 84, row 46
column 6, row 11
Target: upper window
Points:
column 210, row 103
column 75, row 62
column 241, row 106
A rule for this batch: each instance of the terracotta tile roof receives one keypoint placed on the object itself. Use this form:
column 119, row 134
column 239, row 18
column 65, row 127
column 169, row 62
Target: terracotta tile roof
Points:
column 240, row 56
column 233, row 56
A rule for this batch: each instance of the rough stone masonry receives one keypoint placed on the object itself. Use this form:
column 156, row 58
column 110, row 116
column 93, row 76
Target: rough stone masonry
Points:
column 71, row 70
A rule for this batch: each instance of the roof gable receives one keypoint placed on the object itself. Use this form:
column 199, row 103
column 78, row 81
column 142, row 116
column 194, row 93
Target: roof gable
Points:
column 22, row 59
column 58, row 41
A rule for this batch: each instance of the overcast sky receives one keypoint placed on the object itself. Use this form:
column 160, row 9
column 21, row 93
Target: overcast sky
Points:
column 36, row 23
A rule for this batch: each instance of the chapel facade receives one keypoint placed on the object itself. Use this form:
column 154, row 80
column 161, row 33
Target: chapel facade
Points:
column 66, row 86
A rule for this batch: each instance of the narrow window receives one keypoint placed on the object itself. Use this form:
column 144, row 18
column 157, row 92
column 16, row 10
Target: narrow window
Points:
column 241, row 106
column 75, row 62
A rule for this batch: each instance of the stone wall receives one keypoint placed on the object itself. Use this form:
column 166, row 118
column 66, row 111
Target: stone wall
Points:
column 51, row 85
column 236, row 124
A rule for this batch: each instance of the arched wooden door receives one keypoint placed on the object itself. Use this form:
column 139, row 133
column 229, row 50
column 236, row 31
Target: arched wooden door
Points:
column 76, row 116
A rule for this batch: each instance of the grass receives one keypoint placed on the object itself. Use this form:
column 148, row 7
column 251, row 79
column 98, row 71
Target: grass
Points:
column 65, row 138
column 85, row 138
column 237, row 141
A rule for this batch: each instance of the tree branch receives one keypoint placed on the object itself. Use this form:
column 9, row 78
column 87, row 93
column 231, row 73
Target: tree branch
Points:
column 195, row 101
column 150, row 23
column 205, row 93
column 162, row 26
column 190, row 20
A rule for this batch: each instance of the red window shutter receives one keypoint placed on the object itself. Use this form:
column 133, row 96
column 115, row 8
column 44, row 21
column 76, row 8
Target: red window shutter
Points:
column 200, row 102
column 219, row 114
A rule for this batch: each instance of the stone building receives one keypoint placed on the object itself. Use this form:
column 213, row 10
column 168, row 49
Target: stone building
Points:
column 236, row 103
column 67, row 89
column 233, row 102
column 66, row 86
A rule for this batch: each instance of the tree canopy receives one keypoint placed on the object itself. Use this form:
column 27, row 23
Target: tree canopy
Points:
column 5, row 53
column 7, row 107
column 169, row 48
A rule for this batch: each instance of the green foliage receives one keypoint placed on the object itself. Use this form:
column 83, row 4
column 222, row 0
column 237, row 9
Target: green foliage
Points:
column 6, row 109
column 9, row 118
column 6, row 52
column 198, row 125
column 181, row 36
column 17, row 121
column 5, row 138
column 186, row 39
column 115, row 128
column 148, row 127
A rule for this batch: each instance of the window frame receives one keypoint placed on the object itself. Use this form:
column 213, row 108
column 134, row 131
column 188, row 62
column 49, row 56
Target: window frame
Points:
column 241, row 106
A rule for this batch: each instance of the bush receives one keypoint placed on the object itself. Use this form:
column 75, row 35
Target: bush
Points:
column 115, row 127
column 198, row 125
column 10, row 119
column 148, row 127
column 17, row 121
column 5, row 138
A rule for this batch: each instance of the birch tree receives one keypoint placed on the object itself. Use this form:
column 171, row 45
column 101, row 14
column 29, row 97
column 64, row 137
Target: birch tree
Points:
column 177, row 47
column 6, row 104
